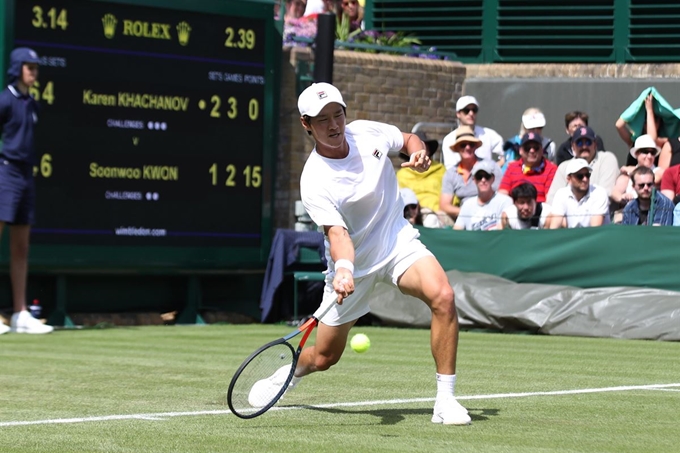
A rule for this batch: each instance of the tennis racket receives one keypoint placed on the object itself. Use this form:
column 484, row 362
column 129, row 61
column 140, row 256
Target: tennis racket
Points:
column 265, row 375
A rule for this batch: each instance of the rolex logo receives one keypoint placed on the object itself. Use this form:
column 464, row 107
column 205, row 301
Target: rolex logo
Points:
column 109, row 22
column 183, row 32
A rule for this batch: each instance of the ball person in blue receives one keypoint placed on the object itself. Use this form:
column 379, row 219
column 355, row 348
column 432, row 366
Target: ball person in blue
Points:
column 18, row 119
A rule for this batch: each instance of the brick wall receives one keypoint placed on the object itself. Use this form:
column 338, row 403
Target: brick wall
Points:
column 575, row 70
column 399, row 90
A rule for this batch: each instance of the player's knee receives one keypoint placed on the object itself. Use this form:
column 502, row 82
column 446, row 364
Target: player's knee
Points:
column 444, row 304
column 324, row 362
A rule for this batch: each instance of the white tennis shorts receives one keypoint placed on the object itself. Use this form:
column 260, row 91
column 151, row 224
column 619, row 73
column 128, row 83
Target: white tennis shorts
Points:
column 356, row 305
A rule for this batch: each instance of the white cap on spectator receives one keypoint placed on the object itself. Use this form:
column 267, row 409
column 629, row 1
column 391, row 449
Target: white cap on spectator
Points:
column 317, row 96
column 485, row 165
column 408, row 196
column 576, row 165
column 464, row 101
column 533, row 120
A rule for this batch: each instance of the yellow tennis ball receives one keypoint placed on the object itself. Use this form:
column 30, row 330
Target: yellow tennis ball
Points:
column 360, row 343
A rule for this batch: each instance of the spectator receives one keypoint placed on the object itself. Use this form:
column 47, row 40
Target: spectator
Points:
column 413, row 212
column 458, row 184
column 467, row 108
column 411, row 206
column 355, row 12
column 533, row 120
column 573, row 121
column 649, row 202
column 638, row 120
column 525, row 213
column 315, row 7
column 533, row 167
column 645, row 150
column 295, row 9
column 670, row 183
column 676, row 215
column 18, row 115
column 670, row 153
column 604, row 163
column 483, row 212
column 427, row 185
column 580, row 204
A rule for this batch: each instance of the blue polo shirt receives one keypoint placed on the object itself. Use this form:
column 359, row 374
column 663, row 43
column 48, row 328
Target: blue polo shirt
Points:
column 18, row 117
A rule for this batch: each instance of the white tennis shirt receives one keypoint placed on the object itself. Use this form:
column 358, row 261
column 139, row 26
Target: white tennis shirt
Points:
column 361, row 194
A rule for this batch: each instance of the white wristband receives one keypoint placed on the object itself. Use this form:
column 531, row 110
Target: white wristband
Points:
column 346, row 264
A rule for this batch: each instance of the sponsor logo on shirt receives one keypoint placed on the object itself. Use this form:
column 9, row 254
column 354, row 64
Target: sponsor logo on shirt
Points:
column 377, row 154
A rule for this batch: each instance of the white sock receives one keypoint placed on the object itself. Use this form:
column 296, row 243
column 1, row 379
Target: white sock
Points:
column 446, row 384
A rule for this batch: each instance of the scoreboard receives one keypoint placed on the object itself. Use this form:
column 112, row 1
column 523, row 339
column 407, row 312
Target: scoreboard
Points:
column 156, row 136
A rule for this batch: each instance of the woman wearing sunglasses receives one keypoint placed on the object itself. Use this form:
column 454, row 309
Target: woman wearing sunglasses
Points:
column 645, row 151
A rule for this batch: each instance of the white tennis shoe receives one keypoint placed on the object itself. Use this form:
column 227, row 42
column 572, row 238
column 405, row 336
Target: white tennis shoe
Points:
column 23, row 322
column 264, row 390
column 448, row 410
column 4, row 328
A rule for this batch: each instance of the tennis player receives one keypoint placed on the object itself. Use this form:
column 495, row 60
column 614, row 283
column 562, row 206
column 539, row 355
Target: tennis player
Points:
column 349, row 187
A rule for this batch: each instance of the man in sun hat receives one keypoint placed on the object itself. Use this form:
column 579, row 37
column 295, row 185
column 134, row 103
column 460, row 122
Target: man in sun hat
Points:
column 458, row 184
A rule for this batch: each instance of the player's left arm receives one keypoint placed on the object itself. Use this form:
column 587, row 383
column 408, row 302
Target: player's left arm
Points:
column 342, row 254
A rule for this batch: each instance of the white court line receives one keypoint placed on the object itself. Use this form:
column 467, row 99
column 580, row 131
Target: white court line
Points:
column 164, row 415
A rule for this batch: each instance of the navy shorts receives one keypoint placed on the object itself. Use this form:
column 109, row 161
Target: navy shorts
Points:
column 17, row 193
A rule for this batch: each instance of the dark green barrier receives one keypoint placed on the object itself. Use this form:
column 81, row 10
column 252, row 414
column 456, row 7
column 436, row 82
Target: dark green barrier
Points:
column 588, row 258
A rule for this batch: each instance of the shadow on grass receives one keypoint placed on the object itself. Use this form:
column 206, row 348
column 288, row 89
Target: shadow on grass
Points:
column 394, row 416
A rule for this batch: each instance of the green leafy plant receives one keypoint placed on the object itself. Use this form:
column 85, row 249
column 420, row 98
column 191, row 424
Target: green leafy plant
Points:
column 384, row 39
column 343, row 29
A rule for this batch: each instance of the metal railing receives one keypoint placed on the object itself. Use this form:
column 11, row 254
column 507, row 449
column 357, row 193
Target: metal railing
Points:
column 490, row 31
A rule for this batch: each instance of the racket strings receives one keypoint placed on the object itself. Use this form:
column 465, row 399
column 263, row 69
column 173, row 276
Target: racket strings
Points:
column 261, row 380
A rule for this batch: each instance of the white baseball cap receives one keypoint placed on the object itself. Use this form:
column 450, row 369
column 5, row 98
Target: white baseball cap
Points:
column 533, row 120
column 485, row 165
column 408, row 196
column 464, row 101
column 316, row 96
column 575, row 165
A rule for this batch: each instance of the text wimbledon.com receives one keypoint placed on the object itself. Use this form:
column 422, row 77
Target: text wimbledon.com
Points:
column 140, row 231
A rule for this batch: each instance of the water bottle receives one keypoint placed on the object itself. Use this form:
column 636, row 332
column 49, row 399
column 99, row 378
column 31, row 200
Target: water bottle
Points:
column 35, row 309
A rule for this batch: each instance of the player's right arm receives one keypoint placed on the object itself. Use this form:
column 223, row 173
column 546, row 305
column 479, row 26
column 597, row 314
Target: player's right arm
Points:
column 342, row 254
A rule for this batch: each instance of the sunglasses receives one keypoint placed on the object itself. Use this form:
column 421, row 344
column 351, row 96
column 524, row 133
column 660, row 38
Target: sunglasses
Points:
column 481, row 175
column 467, row 110
column 642, row 185
column 580, row 176
column 532, row 147
column 646, row 151
column 584, row 142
